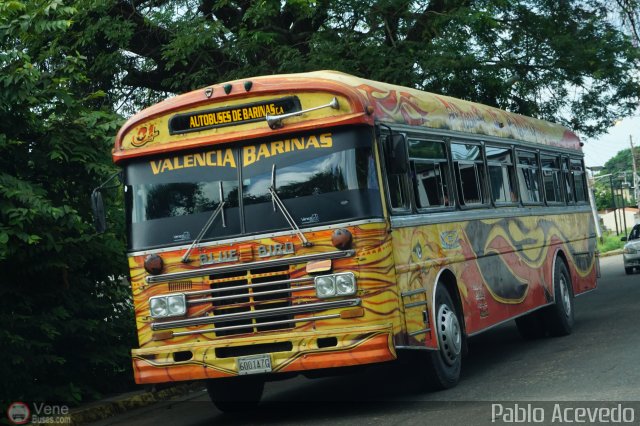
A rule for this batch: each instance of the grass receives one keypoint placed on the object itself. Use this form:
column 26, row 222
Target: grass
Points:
column 611, row 241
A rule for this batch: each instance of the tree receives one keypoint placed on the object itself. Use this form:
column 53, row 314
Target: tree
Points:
column 571, row 62
column 66, row 320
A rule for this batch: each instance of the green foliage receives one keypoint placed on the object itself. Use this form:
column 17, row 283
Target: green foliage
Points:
column 568, row 61
column 620, row 163
column 66, row 317
column 610, row 242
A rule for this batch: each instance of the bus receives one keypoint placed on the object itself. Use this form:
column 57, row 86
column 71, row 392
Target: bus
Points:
column 304, row 223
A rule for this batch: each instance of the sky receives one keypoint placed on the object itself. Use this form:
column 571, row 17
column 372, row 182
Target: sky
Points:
column 598, row 150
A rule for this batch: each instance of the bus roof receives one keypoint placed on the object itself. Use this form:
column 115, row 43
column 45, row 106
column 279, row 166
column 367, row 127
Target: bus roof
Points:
column 236, row 111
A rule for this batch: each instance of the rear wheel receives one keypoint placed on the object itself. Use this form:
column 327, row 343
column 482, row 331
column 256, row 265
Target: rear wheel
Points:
column 443, row 368
column 559, row 316
column 235, row 394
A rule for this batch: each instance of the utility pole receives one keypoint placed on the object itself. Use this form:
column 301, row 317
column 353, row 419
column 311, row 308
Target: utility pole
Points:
column 613, row 198
column 636, row 178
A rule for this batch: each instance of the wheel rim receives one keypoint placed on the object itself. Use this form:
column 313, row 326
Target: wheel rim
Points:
column 449, row 334
column 565, row 295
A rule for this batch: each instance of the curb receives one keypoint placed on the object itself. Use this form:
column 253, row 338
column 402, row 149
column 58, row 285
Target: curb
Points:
column 611, row 253
column 119, row 404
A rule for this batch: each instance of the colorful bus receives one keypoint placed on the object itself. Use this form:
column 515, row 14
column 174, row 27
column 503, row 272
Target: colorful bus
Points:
column 303, row 223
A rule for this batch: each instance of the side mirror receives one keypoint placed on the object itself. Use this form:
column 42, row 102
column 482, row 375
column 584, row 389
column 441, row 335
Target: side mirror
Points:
column 397, row 157
column 623, row 239
column 99, row 217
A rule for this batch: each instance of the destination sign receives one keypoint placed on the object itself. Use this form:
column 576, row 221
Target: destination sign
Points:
column 231, row 116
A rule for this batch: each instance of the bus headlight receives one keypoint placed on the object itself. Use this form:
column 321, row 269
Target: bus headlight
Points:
column 334, row 285
column 325, row 286
column 172, row 305
column 345, row 284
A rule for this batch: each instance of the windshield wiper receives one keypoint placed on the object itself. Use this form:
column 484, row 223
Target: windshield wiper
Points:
column 205, row 228
column 275, row 199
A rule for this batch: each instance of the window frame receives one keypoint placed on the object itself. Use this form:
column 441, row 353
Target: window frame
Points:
column 511, row 174
column 540, row 188
column 482, row 185
column 446, row 187
column 558, row 172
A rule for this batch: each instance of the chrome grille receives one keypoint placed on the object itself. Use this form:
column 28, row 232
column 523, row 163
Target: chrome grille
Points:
column 253, row 290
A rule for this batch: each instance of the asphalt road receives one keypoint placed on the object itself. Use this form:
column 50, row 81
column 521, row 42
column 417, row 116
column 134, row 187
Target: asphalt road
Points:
column 594, row 368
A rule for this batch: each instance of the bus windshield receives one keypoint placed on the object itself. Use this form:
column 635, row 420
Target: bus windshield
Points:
column 322, row 177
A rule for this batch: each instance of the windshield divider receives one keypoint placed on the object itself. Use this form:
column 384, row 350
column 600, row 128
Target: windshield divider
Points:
column 205, row 228
column 283, row 209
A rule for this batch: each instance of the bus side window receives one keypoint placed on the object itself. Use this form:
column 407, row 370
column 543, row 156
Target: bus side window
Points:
column 551, row 178
column 579, row 181
column 568, row 180
column 501, row 175
column 470, row 173
column 431, row 173
column 397, row 183
column 529, row 177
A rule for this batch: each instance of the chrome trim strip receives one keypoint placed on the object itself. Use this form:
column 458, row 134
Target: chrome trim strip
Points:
column 482, row 214
column 414, row 304
column 246, row 286
column 152, row 279
column 424, row 331
column 255, row 237
column 413, row 292
column 420, row 348
column 508, row 319
column 263, row 293
column 585, row 292
column 299, row 309
column 239, row 327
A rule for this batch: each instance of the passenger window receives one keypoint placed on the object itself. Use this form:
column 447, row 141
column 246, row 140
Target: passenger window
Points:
column 579, row 181
column 568, row 181
column 470, row 173
column 398, row 189
column 529, row 177
column 431, row 169
column 551, row 179
column 501, row 175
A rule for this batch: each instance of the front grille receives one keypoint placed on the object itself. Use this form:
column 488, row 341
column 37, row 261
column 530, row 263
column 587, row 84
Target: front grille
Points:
column 251, row 292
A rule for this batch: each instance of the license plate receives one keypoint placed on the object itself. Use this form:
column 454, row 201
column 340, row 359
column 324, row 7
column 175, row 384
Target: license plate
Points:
column 254, row 364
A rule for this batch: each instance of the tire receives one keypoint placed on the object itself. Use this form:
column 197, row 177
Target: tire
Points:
column 235, row 395
column 628, row 271
column 531, row 326
column 559, row 317
column 442, row 369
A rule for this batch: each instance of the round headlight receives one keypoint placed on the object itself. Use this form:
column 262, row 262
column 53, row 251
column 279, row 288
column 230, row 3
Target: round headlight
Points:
column 325, row 287
column 345, row 284
column 176, row 305
column 158, row 307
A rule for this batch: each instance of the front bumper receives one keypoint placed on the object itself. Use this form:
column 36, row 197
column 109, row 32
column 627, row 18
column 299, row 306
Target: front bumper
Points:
column 631, row 260
column 291, row 352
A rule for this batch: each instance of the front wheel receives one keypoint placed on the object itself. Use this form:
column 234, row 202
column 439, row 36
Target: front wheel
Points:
column 444, row 365
column 559, row 317
column 235, row 394
column 628, row 271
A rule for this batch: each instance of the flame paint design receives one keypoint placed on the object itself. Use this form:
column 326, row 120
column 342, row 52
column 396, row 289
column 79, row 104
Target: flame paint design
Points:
column 503, row 267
